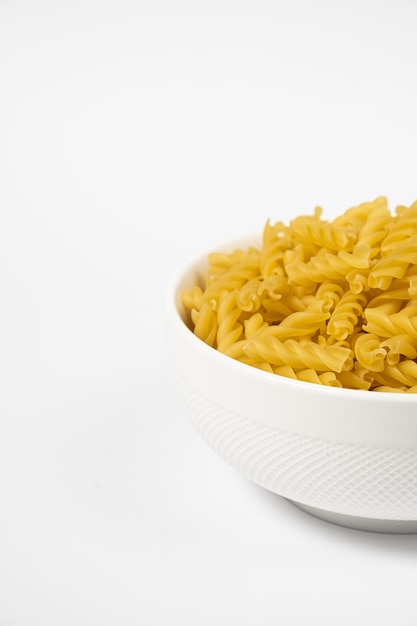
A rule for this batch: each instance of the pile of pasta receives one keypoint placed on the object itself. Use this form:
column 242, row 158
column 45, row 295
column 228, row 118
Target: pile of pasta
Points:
column 327, row 302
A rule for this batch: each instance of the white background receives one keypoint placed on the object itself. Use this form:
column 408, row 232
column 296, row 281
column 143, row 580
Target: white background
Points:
column 134, row 136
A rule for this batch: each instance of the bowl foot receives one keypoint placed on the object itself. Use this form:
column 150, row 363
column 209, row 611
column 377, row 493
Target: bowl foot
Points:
column 361, row 523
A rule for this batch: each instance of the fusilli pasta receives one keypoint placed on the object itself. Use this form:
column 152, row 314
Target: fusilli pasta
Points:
column 326, row 302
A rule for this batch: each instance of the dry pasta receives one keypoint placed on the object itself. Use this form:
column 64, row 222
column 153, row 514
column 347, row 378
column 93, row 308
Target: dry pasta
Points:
column 326, row 302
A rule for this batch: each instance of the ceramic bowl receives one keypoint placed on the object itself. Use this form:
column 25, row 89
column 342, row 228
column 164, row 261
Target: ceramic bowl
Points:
column 346, row 456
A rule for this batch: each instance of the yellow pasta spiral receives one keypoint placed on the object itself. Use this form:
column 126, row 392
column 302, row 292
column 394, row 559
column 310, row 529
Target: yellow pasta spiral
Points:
column 374, row 230
column 347, row 312
column 313, row 231
column 297, row 354
column 369, row 353
column 389, row 323
column 301, row 323
column 248, row 298
column 400, row 229
column 394, row 265
column 400, row 346
column 228, row 328
column 328, row 266
column 205, row 324
column 276, row 240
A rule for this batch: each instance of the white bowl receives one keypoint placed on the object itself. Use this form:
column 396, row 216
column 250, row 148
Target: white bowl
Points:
column 346, row 456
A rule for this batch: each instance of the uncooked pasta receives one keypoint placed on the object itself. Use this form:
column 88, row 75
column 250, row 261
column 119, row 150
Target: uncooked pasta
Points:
column 326, row 302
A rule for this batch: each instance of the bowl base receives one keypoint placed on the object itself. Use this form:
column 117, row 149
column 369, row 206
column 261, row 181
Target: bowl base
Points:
column 361, row 523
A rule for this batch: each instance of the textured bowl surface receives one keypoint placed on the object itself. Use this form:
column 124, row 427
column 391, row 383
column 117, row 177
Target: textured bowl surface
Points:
column 345, row 455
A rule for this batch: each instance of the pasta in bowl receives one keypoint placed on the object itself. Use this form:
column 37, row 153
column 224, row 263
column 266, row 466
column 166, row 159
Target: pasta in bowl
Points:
column 295, row 355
